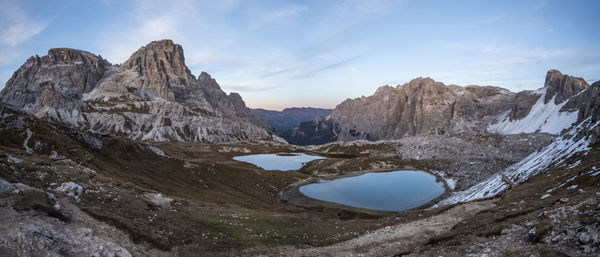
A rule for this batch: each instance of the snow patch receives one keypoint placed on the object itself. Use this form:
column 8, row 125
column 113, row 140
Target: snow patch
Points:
column 451, row 183
column 544, row 196
column 574, row 164
column 594, row 172
column 543, row 117
column 554, row 154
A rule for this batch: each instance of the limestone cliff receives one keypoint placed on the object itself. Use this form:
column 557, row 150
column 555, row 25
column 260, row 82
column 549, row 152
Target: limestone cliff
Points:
column 424, row 106
column 152, row 96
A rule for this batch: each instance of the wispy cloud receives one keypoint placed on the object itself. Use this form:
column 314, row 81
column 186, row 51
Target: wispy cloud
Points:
column 181, row 20
column 17, row 27
column 366, row 8
column 281, row 14
column 247, row 86
column 279, row 71
column 330, row 66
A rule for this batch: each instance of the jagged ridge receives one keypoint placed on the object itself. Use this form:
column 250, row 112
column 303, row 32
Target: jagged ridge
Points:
column 152, row 96
column 424, row 106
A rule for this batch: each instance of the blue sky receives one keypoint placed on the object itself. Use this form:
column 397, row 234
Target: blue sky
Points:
column 280, row 54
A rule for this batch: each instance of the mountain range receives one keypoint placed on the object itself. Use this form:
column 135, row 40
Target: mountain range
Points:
column 152, row 96
column 289, row 118
column 424, row 106
column 140, row 159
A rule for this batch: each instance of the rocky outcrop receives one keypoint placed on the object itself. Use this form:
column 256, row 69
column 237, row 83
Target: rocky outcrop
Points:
column 421, row 106
column 152, row 96
column 63, row 73
column 562, row 86
column 424, row 106
column 161, row 70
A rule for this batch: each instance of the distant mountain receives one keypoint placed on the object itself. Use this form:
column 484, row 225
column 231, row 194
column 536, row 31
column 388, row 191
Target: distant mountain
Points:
column 424, row 106
column 289, row 117
column 152, row 96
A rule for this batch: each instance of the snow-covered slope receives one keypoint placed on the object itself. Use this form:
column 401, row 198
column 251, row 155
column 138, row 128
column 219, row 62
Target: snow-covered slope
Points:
column 552, row 155
column 543, row 117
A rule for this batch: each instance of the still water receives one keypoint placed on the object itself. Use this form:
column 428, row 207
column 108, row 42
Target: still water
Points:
column 385, row 191
column 287, row 161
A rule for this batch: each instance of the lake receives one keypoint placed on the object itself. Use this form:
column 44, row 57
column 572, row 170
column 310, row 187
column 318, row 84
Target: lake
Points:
column 384, row 191
column 284, row 162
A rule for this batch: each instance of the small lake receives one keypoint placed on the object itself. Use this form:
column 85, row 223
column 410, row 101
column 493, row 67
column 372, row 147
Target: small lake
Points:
column 284, row 162
column 384, row 191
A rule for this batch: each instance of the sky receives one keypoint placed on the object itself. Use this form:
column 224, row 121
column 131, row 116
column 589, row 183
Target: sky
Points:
column 280, row 54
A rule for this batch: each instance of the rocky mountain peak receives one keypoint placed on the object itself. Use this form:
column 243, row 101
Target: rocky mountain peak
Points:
column 152, row 96
column 158, row 56
column 63, row 73
column 419, row 82
column 562, row 86
column 205, row 79
column 384, row 90
column 73, row 56
column 162, row 70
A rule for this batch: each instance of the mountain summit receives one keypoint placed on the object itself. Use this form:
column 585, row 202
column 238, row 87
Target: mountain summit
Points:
column 424, row 106
column 152, row 96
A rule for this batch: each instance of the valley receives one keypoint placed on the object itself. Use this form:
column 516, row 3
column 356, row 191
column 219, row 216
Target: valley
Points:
column 146, row 159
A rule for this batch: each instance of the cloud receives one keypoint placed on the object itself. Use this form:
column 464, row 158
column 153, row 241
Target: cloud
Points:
column 330, row 66
column 281, row 14
column 18, row 27
column 247, row 86
column 369, row 8
column 279, row 71
column 184, row 21
column 305, row 68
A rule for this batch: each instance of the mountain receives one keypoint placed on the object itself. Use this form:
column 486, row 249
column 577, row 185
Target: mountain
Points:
column 152, row 96
column 575, row 143
column 313, row 132
column 424, row 106
column 69, row 192
column 289, row 117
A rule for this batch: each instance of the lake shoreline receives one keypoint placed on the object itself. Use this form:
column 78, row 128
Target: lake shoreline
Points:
column 293, row 195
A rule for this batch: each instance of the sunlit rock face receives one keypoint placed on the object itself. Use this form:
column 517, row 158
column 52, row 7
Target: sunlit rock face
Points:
column 424, row 106
column 152, row 96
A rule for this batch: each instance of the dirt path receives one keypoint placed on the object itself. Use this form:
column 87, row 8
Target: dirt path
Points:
column 390, row 240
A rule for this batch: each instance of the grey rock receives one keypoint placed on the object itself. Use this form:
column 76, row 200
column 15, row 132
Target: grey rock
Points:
column 563, row 87
column 53, row 80
column 71, row 189
column 152, row 96
column 427, row 107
